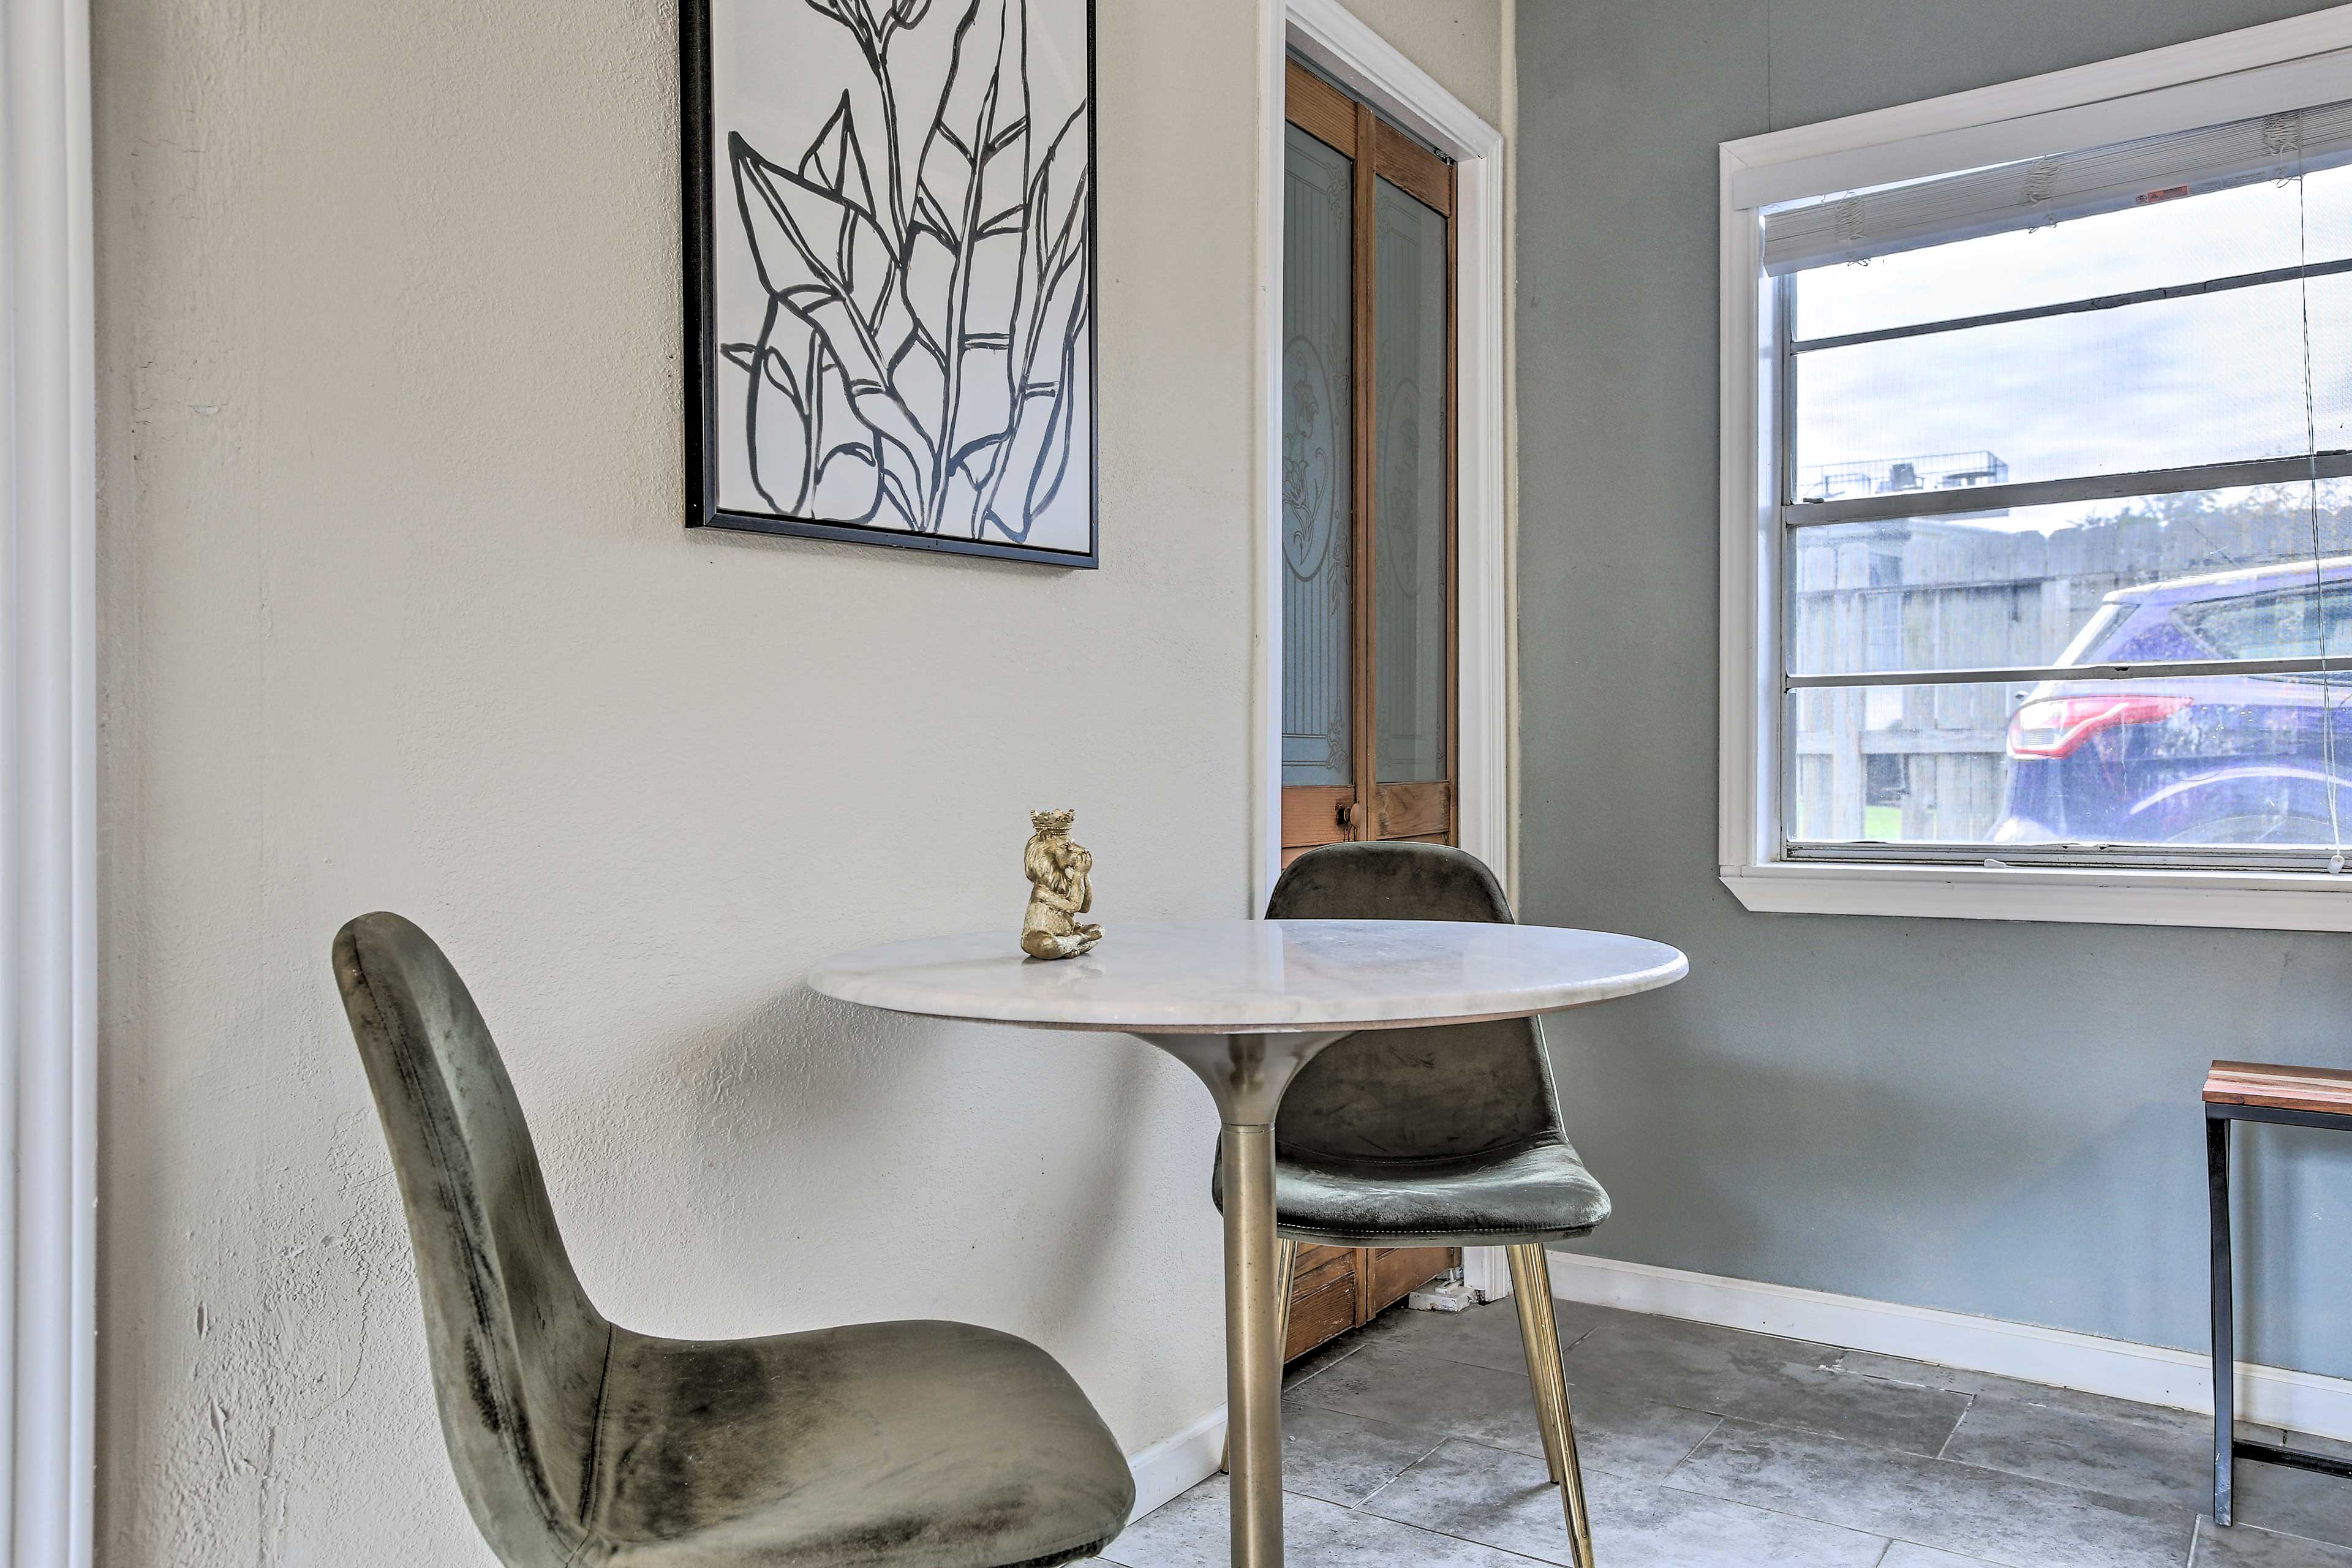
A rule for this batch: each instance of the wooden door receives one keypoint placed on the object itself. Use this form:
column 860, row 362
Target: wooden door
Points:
column 1369, row 655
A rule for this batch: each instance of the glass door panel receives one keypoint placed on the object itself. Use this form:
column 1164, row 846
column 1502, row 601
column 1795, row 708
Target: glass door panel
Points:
column 1318, row 466
column 1410, row 512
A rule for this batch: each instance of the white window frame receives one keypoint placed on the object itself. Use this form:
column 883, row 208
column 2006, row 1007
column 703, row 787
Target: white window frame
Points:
column 2280, row 65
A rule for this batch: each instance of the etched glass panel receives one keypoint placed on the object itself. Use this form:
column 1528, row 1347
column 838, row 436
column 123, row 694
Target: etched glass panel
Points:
column 1408, row 359
column 1318, row 458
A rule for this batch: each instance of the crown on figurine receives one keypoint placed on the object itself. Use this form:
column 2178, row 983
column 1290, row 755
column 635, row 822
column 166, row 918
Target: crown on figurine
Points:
column 1053, row 821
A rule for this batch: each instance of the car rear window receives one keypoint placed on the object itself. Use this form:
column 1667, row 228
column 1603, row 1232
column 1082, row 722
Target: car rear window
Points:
column 2281, row 624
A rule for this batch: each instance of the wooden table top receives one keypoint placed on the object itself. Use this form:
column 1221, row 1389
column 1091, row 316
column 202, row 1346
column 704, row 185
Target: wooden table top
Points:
column 2325, row 1091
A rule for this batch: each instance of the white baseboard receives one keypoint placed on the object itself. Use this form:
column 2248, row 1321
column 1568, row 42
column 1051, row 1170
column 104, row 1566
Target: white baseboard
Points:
column 1175, row 1465
column 2152, row 1374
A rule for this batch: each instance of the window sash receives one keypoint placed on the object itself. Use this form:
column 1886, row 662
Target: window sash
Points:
column 1791, row 514
column 2010, row 675
column 2303, row 272
column 2085, row 855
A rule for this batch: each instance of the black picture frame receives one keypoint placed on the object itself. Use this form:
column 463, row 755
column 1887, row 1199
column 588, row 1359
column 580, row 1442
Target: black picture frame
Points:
column 703, row 360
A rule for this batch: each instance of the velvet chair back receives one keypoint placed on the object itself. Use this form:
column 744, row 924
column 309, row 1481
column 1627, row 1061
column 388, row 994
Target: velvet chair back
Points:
column 518, row 1351
column 1447, row 1092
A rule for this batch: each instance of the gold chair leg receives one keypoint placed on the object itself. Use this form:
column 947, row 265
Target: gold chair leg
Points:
column 1284, row 1267
column 1285, row 1274
column 1531, row 1288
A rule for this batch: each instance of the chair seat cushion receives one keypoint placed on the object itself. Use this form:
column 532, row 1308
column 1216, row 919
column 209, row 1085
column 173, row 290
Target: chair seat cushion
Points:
column 912, row 1443
column 1537, row 1191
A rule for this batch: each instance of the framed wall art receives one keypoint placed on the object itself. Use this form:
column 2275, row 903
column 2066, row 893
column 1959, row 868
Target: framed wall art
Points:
column 890, row 213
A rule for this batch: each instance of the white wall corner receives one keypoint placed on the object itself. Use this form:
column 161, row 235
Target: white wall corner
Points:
column 2119, row 1369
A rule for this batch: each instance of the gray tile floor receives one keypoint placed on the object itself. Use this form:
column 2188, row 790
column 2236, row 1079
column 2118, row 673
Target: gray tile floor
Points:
column 1413, row 1441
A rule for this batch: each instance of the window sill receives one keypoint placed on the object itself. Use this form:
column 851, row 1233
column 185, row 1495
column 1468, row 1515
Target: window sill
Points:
column 2247, row 901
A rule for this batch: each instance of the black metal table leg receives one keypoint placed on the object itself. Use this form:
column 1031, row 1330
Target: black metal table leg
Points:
column 2217, row 1183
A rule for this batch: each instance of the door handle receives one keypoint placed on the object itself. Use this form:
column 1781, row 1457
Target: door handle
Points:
column 1347, row 813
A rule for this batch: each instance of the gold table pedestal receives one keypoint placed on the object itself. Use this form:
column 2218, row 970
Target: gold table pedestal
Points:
column 1246, row 1075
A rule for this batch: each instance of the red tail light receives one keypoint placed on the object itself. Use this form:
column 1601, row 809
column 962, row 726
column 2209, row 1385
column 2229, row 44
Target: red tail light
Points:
column 2056, row 726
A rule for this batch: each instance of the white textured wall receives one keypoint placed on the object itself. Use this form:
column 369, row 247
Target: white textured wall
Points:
column 397, row 613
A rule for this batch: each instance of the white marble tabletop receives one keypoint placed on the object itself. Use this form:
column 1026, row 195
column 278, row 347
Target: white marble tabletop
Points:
column 1228, row 977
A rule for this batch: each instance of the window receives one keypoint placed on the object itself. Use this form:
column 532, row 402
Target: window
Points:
column 2270, row 625
column 2038, row 531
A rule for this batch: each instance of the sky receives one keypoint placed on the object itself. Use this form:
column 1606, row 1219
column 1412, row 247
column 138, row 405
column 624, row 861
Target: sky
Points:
column 2209, row 378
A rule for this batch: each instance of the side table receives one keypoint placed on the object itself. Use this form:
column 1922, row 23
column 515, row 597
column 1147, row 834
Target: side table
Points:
column 2255, row 1091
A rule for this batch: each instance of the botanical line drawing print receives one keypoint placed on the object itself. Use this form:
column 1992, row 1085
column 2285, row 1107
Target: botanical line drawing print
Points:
column 923, row 358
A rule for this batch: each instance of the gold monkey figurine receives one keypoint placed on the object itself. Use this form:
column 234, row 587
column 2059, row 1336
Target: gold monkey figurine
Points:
column 1061, row 888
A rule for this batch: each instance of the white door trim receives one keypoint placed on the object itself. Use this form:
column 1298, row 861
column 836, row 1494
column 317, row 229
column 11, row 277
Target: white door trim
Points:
column 1324, row 31
column 49, row 797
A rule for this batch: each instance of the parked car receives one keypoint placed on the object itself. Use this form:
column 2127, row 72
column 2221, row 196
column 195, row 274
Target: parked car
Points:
column 2220, row 759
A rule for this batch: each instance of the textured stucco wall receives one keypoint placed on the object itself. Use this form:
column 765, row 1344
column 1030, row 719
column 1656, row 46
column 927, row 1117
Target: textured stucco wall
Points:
column 397, row 613
column 1998, row 1117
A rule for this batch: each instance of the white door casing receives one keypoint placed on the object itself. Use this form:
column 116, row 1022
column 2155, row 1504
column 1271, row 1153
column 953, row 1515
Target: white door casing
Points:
column 48, row 930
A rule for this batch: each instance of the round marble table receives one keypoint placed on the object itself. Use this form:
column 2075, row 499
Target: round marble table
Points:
column 1244, row 1005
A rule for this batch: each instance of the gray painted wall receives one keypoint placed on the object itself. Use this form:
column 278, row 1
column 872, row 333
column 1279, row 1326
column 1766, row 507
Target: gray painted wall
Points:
column 1998, row 1118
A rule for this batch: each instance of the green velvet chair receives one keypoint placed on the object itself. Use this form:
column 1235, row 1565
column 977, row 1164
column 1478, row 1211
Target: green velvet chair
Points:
column 577, row 1442
column 1448, row 1136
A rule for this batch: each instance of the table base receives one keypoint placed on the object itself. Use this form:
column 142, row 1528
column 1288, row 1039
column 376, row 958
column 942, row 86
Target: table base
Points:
column 1246, row 1075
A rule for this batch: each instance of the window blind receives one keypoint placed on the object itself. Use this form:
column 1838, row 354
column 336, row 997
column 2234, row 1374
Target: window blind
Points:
column 2034, row 192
